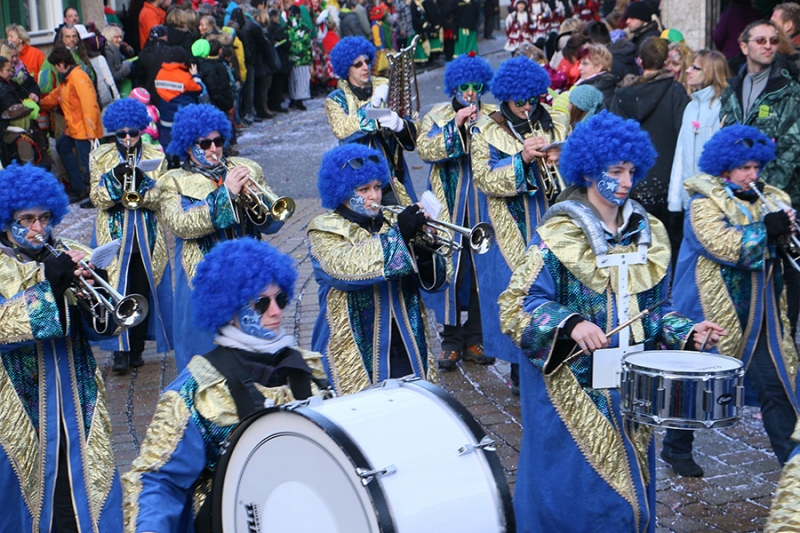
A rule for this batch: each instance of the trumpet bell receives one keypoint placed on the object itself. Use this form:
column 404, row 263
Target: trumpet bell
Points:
column 131, row 311
column 132, row 200
column 481, row 238
column 283, row 208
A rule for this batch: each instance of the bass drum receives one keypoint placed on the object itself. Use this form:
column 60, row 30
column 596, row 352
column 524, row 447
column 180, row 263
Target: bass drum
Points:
column 401, row 456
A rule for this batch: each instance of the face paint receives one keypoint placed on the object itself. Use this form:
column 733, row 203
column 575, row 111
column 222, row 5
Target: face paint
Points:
column 607, row 187
column 18, row 233
column 200, row 155
column 250, row 323
column 467, row 103
column 356, row 204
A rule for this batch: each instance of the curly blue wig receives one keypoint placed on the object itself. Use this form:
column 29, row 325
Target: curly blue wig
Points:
column 347, row 50
column 27, row 186
column 219, row 291
column 195, row 121
column 519, row 78
column 126, row 113
column 337, row 180
column 467, row 69
column 603, row 140
column 732, row 147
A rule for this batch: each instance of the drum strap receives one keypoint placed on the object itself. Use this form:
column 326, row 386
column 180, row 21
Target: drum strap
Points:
column 245, row 394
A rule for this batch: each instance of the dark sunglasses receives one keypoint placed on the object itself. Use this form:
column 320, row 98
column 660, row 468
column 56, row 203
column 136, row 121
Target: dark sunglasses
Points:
column 532, row 100
column 205, row 144
column 122, row 134
column 748, row 142
column 476, row 87
column 761, row 41
column 358, row 64
column 263, row 303
column 358, row 162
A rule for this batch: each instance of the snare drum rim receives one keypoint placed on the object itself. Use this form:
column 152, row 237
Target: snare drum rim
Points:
column 652, row 371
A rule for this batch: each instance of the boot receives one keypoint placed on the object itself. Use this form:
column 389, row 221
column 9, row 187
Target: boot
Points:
column 120, row 362
column 136, row 359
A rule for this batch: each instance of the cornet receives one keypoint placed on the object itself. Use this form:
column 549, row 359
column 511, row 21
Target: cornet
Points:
column 126, row 311
column 252, row 198
column 131, row 199
column 480, row 237
column 552, row 183
column 791, row 246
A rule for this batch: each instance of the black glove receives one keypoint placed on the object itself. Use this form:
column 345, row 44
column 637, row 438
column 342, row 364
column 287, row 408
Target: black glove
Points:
column 60, row 272
column 410, row 222
column 122, row 170
column 777, row 223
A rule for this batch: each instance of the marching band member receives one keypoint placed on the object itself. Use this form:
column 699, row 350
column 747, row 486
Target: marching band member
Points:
column 347, row 106
column 200, row 205
column 127, row 204
column 783, row 511
column 729, row 271
column 510, row 187
column 444, row 141
column 56, row 462
column 255, row 363
column 371, row 323
column 576, row 446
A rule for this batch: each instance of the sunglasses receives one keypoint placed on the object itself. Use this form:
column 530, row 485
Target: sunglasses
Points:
column 761, row 41
column 205, row 144
column 26, row 221
column 476, row 87
column 359, row 64
column 532, row 100
column 263, row 303
column 122, row 134
column 748, row 142
column 358, row 162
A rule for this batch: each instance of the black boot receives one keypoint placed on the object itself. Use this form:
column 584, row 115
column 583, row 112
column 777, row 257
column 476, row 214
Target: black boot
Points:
column 120, row 362
column 136, row 359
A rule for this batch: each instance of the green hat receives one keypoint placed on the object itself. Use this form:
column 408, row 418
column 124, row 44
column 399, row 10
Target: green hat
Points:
column 672, row 35
column 201, row 48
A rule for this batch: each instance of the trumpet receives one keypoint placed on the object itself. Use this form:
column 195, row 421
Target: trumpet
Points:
column 480, row 237
column 102, row 301
column 552, row 182
column 130, row 198
column 791, row 246
column 252, row 198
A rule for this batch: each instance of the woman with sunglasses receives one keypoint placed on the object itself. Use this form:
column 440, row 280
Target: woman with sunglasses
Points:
column 142, row 265
column 729, row 271
column 371, row 323
column 57, row 468
column 507, row 146
column 199, row 204
column 444, row 142
column 347, row 106
column 255, row 363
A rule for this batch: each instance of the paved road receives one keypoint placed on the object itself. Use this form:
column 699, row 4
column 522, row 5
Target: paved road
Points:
column 741, row 471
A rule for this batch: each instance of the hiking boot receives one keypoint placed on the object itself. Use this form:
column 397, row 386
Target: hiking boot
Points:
column 683, row 466
column 475, row 354
column 120, row 362
column 136, row 359
column 448, row 359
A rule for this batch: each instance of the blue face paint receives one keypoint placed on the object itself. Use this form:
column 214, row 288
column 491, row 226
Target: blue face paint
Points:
column 200, row 155
column 250, row 323
column 356, row 204
column 467, row 103
column 18, row 233
column 608, row 187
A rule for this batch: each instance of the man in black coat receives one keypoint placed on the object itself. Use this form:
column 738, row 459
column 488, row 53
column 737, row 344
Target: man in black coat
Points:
column 256, row 53
column 640, row 22
column 150, row 60
column 280, row 77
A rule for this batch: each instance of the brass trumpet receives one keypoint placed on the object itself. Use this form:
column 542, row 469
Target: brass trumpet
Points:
column 131, row 199
column 790, row 246
column 102, row 301
column 257, row 209
column 552, row 182
column 480, row 237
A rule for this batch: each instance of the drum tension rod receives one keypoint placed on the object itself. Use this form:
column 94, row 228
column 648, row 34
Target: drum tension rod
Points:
column 368, row 475
column 485, row 444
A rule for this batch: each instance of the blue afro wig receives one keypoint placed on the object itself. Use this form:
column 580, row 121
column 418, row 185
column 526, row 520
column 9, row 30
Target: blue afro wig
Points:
column 734, row 146
column 467, row 69
column 126, row 113
column 27, row 186
column 603, row 140
column 195, row 121
column 347, row 51
column 220, row 289
column 337, row 180
column 519, row 78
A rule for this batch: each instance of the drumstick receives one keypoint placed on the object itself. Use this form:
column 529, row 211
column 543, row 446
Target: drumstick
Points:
column 622, row 326
column 705, row 340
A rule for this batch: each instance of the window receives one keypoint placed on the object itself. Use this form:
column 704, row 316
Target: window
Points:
column 40, row 17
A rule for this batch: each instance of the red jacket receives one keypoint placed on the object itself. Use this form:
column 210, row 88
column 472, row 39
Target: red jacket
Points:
column 149, row 16
column 32, row 58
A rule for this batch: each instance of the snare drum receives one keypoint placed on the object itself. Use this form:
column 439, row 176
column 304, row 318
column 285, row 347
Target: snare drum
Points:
column 402, row 456
column 682, row 389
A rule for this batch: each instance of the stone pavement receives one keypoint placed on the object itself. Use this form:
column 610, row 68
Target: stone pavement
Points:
column 734, row 495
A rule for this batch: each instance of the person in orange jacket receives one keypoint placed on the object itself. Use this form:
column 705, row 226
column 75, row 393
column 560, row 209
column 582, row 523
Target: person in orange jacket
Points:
column 78, row 100
column 152, row 14
column 177, row 84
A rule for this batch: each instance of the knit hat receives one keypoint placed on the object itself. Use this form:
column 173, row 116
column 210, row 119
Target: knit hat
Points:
column 141, row 94
column 201, row 48
column 347, row 51
column 467, row 69
column 733, row 146
column 125, row 113
column 519, row 78
column 672, row 35
column 218, row 293
column 338, row 179
column 176, row 54
column 194, row 121
column 586, row 155
column 586, row 98
column 27, row 186
column 158, row 31
column 639, row 10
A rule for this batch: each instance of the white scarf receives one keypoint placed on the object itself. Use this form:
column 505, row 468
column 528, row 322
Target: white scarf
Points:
column 232, row 337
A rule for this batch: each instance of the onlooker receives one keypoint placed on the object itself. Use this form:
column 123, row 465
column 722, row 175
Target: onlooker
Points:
column 731, row 24
column 679, row 58
column 300, row 57
column 787, row 17
column 281, row 77
column 120, row 67
column 214, row 74
column 177, row 85
column 585, row 101
column 150, row 60
column 466, row 28
column 595, row 70
column 151, row 15
column 640, row 22
column 491, row 13
column 71, row 18
column 69, row 37
column 31, row 56
column 104, row 83
column 518, row 27
column 181, row 27
column 623, row 54
column 349, row 24
column 570, row 63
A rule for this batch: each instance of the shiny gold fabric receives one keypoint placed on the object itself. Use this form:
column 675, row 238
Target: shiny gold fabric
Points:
column 513, row 318
column 360, row 258
column 784, row 514
column 344, row 123
column 102, row 160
